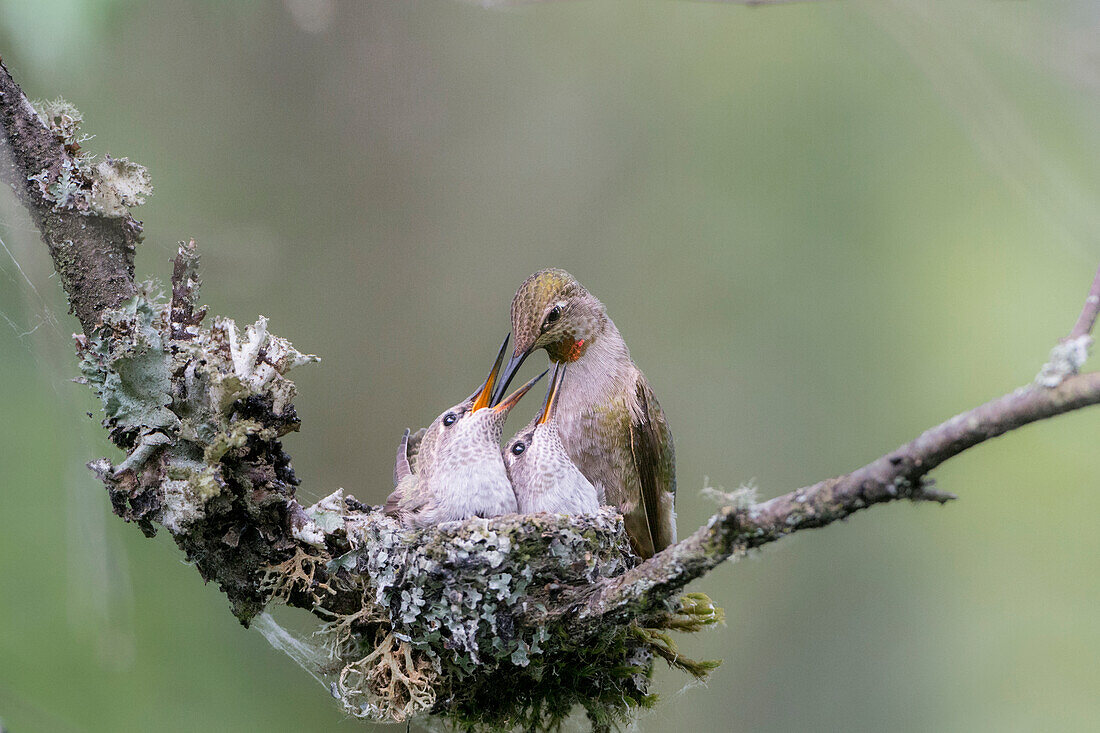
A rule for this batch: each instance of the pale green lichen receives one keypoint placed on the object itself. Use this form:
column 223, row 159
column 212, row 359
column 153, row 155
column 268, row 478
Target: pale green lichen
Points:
column 235, row 436
column 127, row 366
column 184, row 501
column 742, row 497
column 258, row 362
column 119, row 184
column 62, row 118
column 205, row 484
column 65, row 189
column 1066, row 359
column 108, row 188
column 183, row 403
column 449, row 614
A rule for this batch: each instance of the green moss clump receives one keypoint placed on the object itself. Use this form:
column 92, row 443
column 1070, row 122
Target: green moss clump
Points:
column 608, row 676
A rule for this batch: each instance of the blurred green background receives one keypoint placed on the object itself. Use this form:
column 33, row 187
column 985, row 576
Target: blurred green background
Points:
column 821, row 227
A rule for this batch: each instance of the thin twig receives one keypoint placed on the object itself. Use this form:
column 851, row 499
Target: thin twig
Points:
column 1089, row 311
column 1069, row 354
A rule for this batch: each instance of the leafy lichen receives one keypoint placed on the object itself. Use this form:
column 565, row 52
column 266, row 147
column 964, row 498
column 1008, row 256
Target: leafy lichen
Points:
column 117, row 185
column 200, row 419
column 108, row 188
column 126, row 364
column 63, row 119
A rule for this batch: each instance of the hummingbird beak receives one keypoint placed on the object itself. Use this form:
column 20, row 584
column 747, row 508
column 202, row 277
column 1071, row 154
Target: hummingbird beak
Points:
column 484, row 396
column 508, row 404
column 510, row 370
column 552, row 393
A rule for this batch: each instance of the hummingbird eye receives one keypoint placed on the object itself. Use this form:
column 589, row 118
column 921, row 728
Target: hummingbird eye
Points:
column 552, row 316
column 518, row 448
column 449, row 419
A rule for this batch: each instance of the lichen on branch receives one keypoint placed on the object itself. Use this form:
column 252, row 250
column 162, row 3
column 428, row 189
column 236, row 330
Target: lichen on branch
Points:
column 454, row 612
column 411, row 623
column 79, row 184
column 80, row 210
column 200, row 418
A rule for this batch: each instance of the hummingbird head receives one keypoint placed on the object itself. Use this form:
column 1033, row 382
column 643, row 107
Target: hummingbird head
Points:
column 470, row 430
column 552, row 311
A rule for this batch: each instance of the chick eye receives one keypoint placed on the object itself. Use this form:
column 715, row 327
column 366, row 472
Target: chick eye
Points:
column 449, row 419
column 552, row 316
column 518, row 448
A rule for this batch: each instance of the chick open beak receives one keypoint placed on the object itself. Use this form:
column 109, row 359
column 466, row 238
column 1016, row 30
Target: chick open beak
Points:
column 510, row 369
column 484, row 396
column 506, row 405
column 552, row 393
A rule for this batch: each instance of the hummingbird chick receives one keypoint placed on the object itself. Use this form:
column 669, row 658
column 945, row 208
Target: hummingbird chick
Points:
column 454, row 470
column 543, row 476
column 608, row 419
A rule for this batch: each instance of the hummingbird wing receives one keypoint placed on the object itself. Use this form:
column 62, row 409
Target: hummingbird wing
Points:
column 393, row 501
column 413, row 449
column 401, row 467
column 655, row 460
column 404, row 470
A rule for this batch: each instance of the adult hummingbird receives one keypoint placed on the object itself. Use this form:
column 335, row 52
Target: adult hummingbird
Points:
column 454, row 470
column 543, row 476
column 608, row 419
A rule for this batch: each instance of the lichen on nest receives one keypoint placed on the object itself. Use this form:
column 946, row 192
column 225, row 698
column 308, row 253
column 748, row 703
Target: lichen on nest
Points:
column 452, row 621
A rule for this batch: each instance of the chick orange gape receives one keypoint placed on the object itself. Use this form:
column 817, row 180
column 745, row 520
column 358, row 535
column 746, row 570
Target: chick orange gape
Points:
column 453, row 469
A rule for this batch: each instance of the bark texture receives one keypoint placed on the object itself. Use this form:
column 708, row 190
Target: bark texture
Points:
column 93, row 254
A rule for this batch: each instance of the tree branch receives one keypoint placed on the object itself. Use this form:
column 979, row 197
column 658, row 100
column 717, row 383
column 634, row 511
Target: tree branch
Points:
column 899, row 474
column 92, row 252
